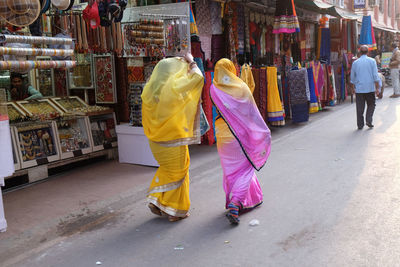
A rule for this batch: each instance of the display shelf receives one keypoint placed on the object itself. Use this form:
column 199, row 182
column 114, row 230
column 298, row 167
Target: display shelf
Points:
column 102, row 131
column 15, row 113
column 17, row 161
column 73, row 135
column 36, row 143
column 69, row 104
column 82, row 76
column 104, row 76
column 41, row 107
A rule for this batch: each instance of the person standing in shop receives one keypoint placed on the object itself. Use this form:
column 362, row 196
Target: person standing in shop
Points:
column 364, row 76
column 21, row 91
column 170, row 108
column 243, row 140
column 394, row 66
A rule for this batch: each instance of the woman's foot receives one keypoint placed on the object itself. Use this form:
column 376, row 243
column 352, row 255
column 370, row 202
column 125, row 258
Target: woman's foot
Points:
column 233, row 214
column 154, row 209
column 175, row 218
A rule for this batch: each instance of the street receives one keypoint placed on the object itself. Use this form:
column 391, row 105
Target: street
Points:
column 331, row 198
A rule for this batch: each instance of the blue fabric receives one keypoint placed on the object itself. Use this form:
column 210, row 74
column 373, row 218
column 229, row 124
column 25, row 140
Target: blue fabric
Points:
column 325, row 53
column 300, row 112
column 343, row 85
column 313, row 96
column 364, row 73
column 366, row 30
column 214, row 111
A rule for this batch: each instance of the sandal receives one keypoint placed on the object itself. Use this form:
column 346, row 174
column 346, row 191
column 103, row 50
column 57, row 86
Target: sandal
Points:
column 154, row 209
column 175, row 218
column 233, row 214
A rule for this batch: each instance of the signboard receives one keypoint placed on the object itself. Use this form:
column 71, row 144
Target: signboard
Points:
column 386, row 59
column 359, row 3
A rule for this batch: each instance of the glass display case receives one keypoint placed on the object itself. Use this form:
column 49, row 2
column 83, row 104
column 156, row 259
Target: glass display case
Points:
column 36, row 143
column 81, row 77
column 5, row 79
column 70, row 104
column 15, row 113
column 44, row 79
column 103, row 132
column 41, row 108
column 74, row 136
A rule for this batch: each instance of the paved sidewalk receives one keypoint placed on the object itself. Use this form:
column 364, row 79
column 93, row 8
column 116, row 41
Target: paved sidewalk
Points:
column 96, row 198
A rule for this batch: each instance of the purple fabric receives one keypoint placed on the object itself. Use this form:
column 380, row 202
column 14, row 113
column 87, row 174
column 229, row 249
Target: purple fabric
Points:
column 246, row 124
column 240, row 181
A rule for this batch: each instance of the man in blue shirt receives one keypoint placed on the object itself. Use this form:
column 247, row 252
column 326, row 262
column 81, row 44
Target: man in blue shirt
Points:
column 364, row 76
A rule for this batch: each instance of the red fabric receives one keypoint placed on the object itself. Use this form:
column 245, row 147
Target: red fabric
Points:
column 91, row 15
column 208, row 138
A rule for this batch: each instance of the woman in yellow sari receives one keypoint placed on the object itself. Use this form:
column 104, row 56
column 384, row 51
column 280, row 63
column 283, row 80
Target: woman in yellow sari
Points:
column 170, row 117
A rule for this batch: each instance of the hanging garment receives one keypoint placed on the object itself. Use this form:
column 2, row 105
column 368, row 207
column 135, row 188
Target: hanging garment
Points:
column 208, row 137
column 203, row 17
column 263, row 93
column 298, row 95
column 217, row 47
column 286, row 20
column 367, row 36
column 274, row 103
column 216, row 20
column 314, row 107
column 247, row 76
column 256, row 93
column 319, row 79
column 243, row 138
column 325, row 52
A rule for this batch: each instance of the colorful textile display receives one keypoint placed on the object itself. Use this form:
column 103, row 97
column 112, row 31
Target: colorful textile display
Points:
column 367, row 36
column 314, row 107
column 170, row 117
column 318, row 77
column 263, row 93
column 28, row 65
column 275, row 111
column 34, row 39
column 325, row 46
column 256, row 93
column 247, row 76
column 203, row 17
column 240, row 129
column 286, row 20
column 208, row 137
column 298, row 95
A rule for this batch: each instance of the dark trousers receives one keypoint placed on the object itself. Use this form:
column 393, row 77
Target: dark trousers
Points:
column 361, row 98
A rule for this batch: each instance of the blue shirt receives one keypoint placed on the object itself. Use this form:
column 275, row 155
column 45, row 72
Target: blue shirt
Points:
column 364, row 74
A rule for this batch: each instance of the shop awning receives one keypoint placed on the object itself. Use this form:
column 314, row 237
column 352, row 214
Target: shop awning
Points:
column 325, row 8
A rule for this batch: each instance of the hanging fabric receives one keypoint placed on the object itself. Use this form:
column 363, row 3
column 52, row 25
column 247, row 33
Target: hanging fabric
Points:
column 367, row 36
column 298, row 95
column 275, row 111
column 286, row 20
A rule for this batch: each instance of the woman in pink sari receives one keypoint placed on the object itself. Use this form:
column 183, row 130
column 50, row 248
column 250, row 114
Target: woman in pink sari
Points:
column 243, row 140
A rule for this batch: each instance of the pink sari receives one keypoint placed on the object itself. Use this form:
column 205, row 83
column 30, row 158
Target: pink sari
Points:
column 243, row 142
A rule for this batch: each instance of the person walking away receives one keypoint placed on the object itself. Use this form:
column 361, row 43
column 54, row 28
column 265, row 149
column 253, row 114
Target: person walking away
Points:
column 243, row 140
column 394, row 66
column 364, row 76
column 170, row 118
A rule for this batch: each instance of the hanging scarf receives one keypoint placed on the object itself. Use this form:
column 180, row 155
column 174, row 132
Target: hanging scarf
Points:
column 367, row 36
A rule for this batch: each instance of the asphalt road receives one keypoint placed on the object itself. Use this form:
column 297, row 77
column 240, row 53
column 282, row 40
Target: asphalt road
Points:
column 331, row 198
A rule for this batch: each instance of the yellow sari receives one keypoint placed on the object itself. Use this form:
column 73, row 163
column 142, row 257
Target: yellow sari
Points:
column 170, row 117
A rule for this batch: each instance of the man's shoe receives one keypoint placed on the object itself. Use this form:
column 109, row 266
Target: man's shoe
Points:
column 360, row 128
column 394, row 96
column 370, row 125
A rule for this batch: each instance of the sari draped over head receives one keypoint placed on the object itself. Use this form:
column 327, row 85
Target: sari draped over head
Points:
column 170, row 118
column 243, row 138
